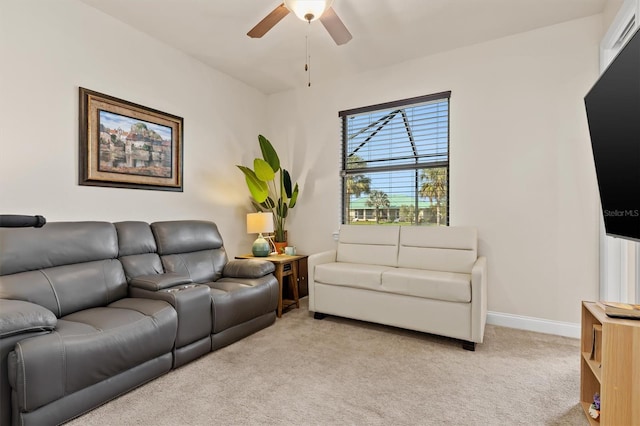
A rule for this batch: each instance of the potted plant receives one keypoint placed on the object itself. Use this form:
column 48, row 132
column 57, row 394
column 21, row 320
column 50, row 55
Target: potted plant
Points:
column 271, row 188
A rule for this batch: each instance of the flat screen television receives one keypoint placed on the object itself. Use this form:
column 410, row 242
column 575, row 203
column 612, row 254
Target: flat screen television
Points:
column 613, row 113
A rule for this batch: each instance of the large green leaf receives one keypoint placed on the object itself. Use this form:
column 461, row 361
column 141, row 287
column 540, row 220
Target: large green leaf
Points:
column 286, row 180
column 282, row 210
column 269, row 153
column 263, row 170
column 257, row 188
column 294, row 197
column 268, row 203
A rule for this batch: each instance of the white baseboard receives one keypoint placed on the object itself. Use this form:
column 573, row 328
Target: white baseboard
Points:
column 567, row 329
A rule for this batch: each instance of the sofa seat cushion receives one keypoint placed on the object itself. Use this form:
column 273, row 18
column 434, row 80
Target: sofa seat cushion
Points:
column 90, row 346
column 351, row 274
column 448, row 286
column 237, row 300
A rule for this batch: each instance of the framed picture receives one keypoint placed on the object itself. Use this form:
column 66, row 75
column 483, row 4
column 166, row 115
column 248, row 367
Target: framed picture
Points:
column 126, row 145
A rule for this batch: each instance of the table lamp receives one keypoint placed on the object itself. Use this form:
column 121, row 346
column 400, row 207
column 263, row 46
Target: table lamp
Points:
column 257, row 223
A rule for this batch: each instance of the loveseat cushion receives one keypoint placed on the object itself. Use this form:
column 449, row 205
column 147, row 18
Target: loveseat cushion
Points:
column 448, row 286
column 191, row 248
column 200, row 266
column 374, row 245
column 137, row 249
column 88, row 347
column 56, row 244
column 64, row 266
column 184, row 236
column 351, row 274
column 438, row 248
column 134, row 237
column 68, row 288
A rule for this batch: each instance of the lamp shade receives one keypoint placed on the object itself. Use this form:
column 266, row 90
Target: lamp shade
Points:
column 308, row 10
column 257, row 223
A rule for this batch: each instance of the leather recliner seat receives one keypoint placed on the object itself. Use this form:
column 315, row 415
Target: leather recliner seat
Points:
column 100, row 341
column 90, row 310
column 244, row 293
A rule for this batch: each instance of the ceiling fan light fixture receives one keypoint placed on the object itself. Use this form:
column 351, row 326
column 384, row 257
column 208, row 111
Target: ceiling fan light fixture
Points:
column 308, row 10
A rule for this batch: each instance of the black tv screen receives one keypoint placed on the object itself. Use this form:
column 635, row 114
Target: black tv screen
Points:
column 613, row 113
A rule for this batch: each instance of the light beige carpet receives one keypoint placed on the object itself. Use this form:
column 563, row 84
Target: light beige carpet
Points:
column 302, row 371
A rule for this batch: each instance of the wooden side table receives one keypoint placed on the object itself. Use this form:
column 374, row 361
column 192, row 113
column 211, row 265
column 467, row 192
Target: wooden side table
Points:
column 286, row 266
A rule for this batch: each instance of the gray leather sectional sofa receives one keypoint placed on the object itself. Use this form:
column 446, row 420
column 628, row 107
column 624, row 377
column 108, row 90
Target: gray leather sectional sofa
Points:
column 91, row 310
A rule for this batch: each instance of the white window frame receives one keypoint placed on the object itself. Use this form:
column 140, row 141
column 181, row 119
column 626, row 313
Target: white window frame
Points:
column 400, row 105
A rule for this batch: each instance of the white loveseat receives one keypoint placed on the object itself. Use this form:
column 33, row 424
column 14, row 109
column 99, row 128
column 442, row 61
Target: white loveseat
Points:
column 422, row 278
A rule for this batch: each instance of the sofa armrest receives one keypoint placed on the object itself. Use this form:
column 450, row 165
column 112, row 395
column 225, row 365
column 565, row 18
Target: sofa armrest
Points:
column 313, row 261
column 247, row 268
column 23, row 317
column 157, row 282
column 478, row 299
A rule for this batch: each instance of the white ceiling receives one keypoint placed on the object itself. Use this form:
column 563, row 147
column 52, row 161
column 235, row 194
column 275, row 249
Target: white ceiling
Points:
column 384, row 32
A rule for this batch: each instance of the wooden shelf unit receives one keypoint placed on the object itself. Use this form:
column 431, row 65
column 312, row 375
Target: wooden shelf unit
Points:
column 614, row 370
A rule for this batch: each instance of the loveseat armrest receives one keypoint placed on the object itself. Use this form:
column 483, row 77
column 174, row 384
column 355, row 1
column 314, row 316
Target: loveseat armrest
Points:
column 157, row 282
column 313, row 261
column 247, row 268
column 478, row 299
column 24, row 317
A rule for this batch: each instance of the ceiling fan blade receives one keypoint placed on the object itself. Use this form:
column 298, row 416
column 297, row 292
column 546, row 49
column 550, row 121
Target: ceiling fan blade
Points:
column 335, row 27
column 269, row 21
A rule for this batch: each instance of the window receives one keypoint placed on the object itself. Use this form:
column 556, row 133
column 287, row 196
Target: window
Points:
column 395, row 162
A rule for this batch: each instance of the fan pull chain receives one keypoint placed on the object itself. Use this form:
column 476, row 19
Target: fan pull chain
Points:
column 307, row 65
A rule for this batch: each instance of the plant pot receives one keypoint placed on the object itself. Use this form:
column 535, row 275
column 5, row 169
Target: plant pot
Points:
column 280, row 246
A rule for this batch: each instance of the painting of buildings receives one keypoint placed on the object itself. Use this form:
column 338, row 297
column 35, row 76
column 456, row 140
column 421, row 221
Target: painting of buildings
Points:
column 133, row 146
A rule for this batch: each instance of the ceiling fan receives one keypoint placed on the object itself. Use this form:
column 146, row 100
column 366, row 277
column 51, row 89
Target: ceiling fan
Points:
column 307, row 10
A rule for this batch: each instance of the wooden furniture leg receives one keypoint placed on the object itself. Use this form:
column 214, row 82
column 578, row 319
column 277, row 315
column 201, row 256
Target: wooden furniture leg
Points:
column 294, row 281
column 279, row 277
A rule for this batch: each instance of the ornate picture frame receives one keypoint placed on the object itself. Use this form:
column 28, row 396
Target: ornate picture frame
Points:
column 126, row 145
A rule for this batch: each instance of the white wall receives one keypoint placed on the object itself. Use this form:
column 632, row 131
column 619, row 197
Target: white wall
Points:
column 47, row 50
column 521, row 165
column 611, row 8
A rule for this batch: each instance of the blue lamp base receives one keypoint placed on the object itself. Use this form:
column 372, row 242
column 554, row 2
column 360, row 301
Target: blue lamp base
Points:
column 260, row 247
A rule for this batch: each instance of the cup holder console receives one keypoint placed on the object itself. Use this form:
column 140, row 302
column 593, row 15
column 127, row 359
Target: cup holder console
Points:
column 184, row 287
column 180, row 288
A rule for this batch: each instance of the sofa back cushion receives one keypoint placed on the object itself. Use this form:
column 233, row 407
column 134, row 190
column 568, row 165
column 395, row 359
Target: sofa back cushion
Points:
column 368, row 244
column 438, row 248
column 137, row 249
column 191, row 248
column 64, row 266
